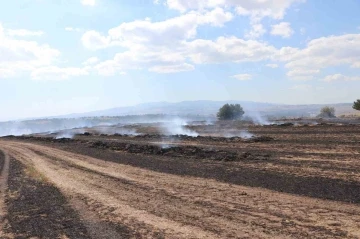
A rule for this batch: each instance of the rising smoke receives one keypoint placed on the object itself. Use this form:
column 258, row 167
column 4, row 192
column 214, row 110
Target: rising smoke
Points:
column 55, row 125
column 177, row 127
column 257, row 118
column 69, row 134
column 111, row 130
column 242, row 134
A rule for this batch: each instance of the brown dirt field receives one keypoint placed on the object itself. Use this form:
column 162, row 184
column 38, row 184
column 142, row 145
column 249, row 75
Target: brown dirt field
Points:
column 36, row 208
column 305, row 183
column 4, row 171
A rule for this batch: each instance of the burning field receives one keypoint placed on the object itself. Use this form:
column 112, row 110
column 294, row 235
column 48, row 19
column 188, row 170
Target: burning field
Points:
column 184, row 180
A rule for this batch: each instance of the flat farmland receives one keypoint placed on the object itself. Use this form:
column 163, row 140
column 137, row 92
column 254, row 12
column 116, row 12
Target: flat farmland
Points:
column 231, row 181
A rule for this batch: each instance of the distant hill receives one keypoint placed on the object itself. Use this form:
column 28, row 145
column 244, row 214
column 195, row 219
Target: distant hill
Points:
column 163, row 111
column 207, row 107
column 202, row 107
column 210, row 108
column 309, row 110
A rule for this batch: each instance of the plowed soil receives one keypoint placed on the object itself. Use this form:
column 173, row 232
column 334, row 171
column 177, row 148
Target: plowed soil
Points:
column 289, row 182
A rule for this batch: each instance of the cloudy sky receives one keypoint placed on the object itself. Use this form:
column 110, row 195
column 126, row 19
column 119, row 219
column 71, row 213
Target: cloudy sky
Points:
column 64, row 56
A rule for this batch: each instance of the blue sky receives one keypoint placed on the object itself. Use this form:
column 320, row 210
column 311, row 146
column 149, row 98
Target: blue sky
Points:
column 65, row 56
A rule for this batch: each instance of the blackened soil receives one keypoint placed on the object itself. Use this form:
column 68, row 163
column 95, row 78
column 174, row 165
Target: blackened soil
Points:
column 312, row 186
column 188, row 152
column 37, row 209
column 275, row 163
column 2, row 160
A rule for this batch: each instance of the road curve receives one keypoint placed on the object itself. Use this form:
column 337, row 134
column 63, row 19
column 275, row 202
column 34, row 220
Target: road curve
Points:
column 154, row 204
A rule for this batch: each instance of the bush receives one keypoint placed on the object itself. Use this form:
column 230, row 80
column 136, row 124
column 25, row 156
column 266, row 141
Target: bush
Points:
column 356, row 105
column 230, row 112
column 327, row 112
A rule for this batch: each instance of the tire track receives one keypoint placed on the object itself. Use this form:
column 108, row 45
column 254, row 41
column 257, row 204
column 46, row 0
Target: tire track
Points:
column 5, row 162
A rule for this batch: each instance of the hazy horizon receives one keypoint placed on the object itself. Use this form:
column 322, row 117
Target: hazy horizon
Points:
column 73, row 56
column 71, row 114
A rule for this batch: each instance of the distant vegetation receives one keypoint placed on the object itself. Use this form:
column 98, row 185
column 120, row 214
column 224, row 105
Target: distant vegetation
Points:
column 230, row 112
column 356, row 105
column 327, row 112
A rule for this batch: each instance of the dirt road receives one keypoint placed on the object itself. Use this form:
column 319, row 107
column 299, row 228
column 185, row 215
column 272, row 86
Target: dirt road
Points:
column 4, row 170
column 121, row 201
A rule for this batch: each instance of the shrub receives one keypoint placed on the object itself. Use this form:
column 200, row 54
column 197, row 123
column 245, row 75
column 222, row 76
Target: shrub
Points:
column 230, row 112
column 327, row 112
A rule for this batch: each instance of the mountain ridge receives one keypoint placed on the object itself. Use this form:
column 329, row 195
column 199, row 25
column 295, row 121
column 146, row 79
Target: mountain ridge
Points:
column 210, row 107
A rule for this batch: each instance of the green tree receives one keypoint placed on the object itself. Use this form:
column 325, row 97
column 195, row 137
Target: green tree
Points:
column 327, row 112
column 230, row 112
column 356, row 105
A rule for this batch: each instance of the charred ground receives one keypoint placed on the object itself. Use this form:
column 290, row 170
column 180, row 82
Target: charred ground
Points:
column 320, row 160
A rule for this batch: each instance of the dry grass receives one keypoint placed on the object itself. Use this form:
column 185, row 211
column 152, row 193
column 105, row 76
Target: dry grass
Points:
column 33, row 173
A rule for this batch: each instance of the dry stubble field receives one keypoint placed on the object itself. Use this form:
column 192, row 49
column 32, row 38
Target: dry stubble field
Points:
column 287, row 182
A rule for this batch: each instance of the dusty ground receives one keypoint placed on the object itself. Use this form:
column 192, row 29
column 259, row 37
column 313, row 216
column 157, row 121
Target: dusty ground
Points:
column 291, row 182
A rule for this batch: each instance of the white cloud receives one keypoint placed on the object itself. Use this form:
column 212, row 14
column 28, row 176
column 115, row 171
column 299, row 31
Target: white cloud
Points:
column 91, row 61
column 184, row 5
column 242, row 77
column 302, row 72
column 282, row 29
column 88, row 2
column 171, row 57
column 257, row 31
column 109, row 68
column 172, row 68
column 73, row 29
column 170, row 31
column 160, row 61
column 94, row 40
column 157, row 46
column 259, row 9
column 216, row 17
column 340, row 77
column 20, row 56
column 23, row 32
column 256, row 9
column 287, row 53
column 302, row 87
column 302, row 77
column 272, row 65
column 356, row 65
column 322, row 53
column 23, row 58
column 228, row 49
column 57, row 73
column 171, row 45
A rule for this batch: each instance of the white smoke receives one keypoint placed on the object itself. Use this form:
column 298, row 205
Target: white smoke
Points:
column 57, row 124
column 246, row 135
column 242, row 134
column 257, row 118
column 167, row 144
column 177, row 127
column 65, row 135
column 115, row 130
column 208, row 121
column 16, row 128
column 69, row 134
